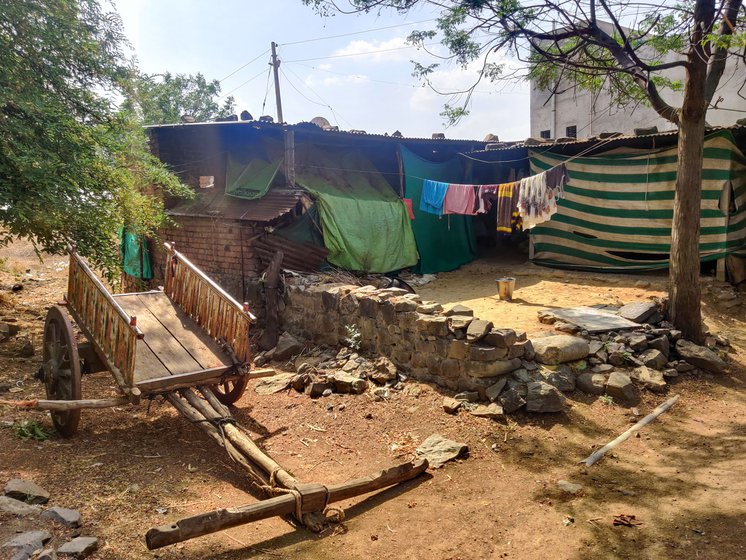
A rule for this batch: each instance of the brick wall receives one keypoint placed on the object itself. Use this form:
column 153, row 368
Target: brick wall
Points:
column 215, row 246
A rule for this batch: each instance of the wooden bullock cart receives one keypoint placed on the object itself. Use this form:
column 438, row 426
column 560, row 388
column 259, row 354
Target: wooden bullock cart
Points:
column 189, row 343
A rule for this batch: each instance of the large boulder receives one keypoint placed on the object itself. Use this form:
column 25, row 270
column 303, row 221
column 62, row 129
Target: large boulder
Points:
column 700, row 356
column 559, row 349
column 287, row 347
column 543, row 397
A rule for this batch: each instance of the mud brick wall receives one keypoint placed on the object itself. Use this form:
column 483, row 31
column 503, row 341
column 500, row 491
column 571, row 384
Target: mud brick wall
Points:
column 455, row 351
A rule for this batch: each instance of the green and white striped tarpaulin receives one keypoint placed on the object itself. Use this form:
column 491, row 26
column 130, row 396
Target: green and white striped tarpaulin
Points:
column 618, row 207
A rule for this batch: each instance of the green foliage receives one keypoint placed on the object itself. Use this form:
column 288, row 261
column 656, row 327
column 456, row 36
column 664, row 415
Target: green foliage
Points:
column 606, row 399
column 354, row 337
column 164, row 98
column 30, row 430
column 72, row 167
column 591, row 54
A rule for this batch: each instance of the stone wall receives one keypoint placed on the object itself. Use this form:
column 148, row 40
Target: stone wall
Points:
column 448, row 347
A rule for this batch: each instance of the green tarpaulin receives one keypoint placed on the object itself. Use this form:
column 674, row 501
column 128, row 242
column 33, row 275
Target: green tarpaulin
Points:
column 446, row 242
column 366, row 227
column 135, row 255
column 618, row 207
column 250, row 179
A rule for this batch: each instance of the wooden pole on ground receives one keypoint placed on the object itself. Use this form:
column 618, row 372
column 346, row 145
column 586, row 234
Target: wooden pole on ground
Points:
column 222, row 519
column 598, row 455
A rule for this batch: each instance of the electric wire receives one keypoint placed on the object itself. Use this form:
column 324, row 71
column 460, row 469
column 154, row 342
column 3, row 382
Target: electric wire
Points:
column 356, row 33
column 254, row 77
column 244, row 66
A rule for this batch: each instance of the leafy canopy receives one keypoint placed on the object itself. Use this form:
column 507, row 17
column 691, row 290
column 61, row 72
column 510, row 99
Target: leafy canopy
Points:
column 164, row 98
column 625, row 46
column 73, row 168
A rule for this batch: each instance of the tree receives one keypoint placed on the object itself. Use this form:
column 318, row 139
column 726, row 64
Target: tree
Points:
column 73, row 168
column 164, row 98
column 568, row 39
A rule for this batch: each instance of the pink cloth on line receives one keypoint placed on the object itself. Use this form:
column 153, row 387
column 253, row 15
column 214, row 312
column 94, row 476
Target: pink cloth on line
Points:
column 460, row 199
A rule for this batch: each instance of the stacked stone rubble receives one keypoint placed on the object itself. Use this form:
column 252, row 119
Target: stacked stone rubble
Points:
column 450, row 348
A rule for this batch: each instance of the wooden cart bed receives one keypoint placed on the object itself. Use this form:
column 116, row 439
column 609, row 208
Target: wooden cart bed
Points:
column 173, row 345
column 187, row 334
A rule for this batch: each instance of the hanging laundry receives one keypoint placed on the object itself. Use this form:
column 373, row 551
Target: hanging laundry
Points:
column 507, row 203
column 408, row 203
column 538, row 196
column 460, row 199
column 486, row 195
column 433, row 193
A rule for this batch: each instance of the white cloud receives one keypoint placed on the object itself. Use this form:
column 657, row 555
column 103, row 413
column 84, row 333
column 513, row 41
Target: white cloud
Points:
column 377, row 51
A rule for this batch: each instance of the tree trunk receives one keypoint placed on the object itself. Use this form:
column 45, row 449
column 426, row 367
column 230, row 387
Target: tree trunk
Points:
column 685, row 291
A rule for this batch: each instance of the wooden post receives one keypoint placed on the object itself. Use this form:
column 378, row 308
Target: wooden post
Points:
column 290, row 157
column 725, row 201
column 272, row 315
column 221, row 519
column 275, row 67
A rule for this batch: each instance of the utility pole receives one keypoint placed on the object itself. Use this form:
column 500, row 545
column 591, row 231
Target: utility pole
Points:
column 275, row 67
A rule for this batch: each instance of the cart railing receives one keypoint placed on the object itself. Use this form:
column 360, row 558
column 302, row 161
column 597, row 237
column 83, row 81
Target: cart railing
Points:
column 219, row 314
column 102, row 319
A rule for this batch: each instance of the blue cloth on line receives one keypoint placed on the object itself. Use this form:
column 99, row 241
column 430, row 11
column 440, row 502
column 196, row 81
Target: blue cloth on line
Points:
column 433, row 194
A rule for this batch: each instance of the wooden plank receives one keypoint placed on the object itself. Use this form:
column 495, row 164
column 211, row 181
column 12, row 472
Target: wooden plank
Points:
column 166, row 348
column 147, row 364
column 169, row 382
column 205, row 351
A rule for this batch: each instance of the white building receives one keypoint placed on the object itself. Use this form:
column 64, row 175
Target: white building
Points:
column 578, row 113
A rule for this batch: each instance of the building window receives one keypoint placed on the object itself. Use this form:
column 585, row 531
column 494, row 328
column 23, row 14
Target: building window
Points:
column 571, row 132
column 545, row 134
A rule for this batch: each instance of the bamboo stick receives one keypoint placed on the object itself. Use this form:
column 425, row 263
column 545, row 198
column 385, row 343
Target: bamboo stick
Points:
column 44, row 404
column 597, row 455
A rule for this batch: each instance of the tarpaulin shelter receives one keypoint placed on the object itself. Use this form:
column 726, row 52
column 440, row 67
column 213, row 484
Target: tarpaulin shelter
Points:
column 366, row 226
column 618, row 207
column 444, row 242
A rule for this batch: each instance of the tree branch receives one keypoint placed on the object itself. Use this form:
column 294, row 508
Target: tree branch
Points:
column 719, row 54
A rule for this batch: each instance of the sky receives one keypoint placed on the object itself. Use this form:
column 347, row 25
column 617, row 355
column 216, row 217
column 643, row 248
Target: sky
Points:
column 362, row 80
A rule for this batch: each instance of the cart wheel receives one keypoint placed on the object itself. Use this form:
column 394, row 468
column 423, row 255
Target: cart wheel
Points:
column 230, row 391
column 61, row 369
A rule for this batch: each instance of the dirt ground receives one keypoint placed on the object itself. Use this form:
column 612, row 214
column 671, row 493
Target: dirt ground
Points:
column 129, row 469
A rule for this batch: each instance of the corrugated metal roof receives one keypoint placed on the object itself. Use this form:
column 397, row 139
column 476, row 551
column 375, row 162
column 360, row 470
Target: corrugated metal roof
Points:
column 213, row 203
column 308, row 127
column 628, row 140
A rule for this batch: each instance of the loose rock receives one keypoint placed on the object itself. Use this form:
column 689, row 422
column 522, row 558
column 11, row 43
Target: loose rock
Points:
column 591, row 383
column 620, row 386
column 543, row 397
column 451, row 405
column 79, row 547
column 17, row 507
column 511, row 400
column 287, row 347
column 459, row 309
column 561, row 377
column 274, row 384
column 26, row 491
column 492, row 410
column 638, row 312
column 439, row 450
column 22, row 546
column 63, row 516
column 467, row 396
column 700, row 356
column 653, row 358
column 477, row 330
column 494, row 390
column 345, row 383
column 502, row 338
column 651, row 379
column 559, row 349
column 569, row 487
